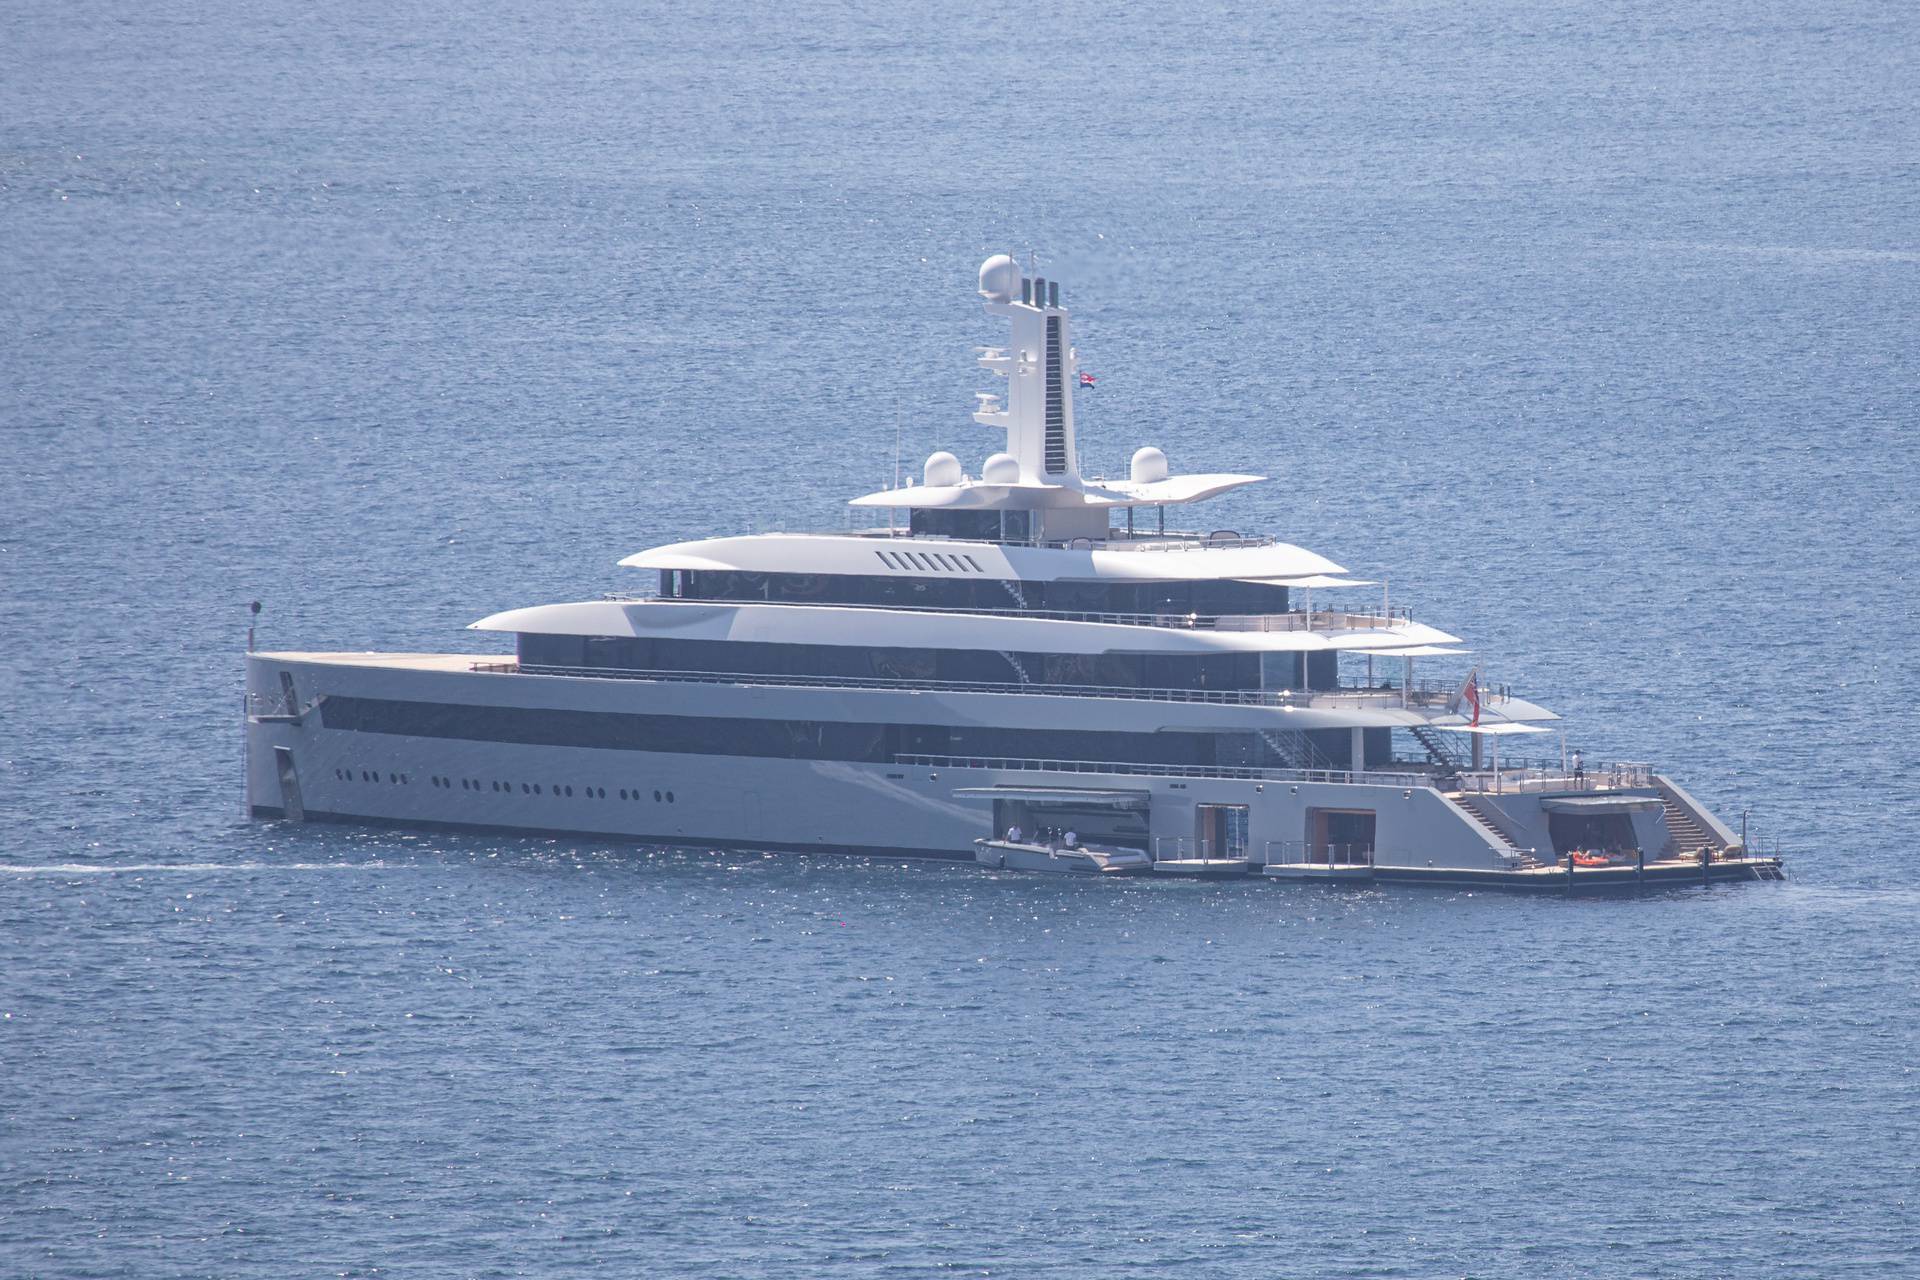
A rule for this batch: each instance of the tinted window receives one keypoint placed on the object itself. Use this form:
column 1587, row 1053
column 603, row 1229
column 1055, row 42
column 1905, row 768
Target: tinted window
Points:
column 1224, row 671
column 781, row 739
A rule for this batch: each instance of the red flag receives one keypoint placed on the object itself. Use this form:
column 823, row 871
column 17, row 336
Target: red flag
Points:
column 1086, row 379
column 1471, row 692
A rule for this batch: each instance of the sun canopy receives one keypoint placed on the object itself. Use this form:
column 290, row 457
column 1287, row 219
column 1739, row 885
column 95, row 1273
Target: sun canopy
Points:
column 1502, row 728
column 1316, row 580
column 1420, row 651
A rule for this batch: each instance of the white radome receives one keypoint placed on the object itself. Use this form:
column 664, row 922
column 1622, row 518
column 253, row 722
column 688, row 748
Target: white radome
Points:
column 1149, row 465
column 1001, row 468
column 943, row 469
column 999, row 278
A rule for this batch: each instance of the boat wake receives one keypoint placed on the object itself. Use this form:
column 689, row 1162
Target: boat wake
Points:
column 194, row 868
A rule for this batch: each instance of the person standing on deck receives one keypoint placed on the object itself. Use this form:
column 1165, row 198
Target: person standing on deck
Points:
column 1579, row 771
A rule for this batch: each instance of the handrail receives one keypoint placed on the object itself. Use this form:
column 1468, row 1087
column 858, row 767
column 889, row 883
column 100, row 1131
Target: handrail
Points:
column 1345, row 695
column 1292, row 620
column 1198, row 849
column 1158, row 769
column 270, row 704
column 1313, row 853
column 1143, row 540
column 1525, row 776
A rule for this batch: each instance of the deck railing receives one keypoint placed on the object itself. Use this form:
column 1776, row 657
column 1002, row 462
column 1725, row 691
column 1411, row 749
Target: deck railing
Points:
column 1192, row 848
column 1115, row 540
column 1311, row 853
column 1294, row 620
column 1349, row 694
column 1638, row 776
column 1382, row 777
column 1524, row 776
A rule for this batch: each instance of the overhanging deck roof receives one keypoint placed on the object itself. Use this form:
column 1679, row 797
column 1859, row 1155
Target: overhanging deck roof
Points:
column 1600, row 804
column 1100, row 799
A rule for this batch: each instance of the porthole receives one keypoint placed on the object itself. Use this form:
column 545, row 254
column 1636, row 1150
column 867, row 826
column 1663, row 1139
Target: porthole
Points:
column 669, row 797
column 656, row 797
column 623, row 793
column 569, row 793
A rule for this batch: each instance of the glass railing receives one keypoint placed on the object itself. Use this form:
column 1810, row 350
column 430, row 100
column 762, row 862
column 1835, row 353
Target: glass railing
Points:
column 1348, row 695
column 1294, row 620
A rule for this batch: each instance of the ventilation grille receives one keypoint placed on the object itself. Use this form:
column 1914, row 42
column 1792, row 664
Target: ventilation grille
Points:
column 929, row 562
column 1056, row 454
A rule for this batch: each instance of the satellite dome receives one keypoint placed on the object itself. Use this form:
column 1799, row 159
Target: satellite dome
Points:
column 1149, row 465
column 999, row 278
column 1001, row 468
column 943, row 469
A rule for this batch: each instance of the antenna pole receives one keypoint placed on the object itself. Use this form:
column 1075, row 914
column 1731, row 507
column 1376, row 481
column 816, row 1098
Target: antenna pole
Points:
column 896, row 453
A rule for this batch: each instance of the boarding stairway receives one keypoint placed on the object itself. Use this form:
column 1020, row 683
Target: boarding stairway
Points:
column 1523, row 858
column 1689, row 837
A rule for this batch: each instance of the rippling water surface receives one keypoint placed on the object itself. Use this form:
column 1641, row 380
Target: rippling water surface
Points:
column 1592, row 326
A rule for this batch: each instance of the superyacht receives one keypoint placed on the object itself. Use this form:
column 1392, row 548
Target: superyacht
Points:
column 1026, row 667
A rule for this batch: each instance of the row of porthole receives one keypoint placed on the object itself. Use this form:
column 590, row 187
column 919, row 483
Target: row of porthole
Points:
column 371, row 775
column 526, row 788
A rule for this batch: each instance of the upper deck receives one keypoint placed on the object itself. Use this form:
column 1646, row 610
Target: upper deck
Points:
column 1224, row 555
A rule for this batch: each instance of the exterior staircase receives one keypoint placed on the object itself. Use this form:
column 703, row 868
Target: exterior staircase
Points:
column 1521, row 856
column 1294, row 749
column 1688, row 836
column 1439, row 749
column 1690, row 824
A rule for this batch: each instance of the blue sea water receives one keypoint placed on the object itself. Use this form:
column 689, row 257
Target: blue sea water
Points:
column 1593, row 326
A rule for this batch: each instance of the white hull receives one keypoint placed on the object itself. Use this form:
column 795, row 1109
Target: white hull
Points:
column 736, row 801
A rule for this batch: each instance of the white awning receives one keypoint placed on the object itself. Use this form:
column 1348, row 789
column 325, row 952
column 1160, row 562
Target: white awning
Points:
column 1420, row 651
column 1315, row 580
column 1502, row 728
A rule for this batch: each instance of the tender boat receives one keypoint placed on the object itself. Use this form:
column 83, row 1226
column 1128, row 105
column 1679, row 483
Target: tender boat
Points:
column 1019, row 855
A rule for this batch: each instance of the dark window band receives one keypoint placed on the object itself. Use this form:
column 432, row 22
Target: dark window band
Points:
column 772, row 739
column 1215, row 671
column 961, row 589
